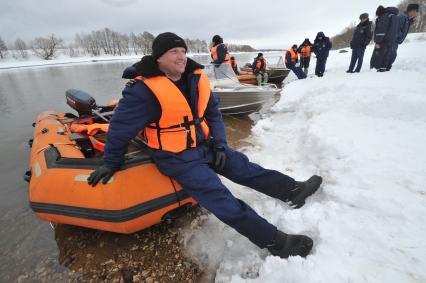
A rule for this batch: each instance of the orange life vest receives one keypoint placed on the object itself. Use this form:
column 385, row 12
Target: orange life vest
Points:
column 293, row 56
column 92, row 130
column 175, row 131
column 305, row 51
column 259, row 66
column 214, row 55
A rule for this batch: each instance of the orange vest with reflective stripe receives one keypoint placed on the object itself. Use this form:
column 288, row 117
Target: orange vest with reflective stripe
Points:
column 293, row 56
column 305, row 51
column 213, row 52
column 175, row 131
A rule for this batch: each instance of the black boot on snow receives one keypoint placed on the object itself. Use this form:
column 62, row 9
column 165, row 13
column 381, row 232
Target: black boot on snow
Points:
column 303, row 190
column 290, row 245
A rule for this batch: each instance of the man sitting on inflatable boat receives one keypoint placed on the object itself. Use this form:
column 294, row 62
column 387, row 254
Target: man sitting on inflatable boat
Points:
column 171, row 102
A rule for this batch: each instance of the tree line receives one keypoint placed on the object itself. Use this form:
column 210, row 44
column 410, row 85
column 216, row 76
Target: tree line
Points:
column 343, row 39
column 96, row 43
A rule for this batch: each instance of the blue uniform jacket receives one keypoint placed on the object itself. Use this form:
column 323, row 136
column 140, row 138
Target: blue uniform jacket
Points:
column 362, row 35
column 322, row 47
column 404, row 24
column 386, row 28
column 139, row 107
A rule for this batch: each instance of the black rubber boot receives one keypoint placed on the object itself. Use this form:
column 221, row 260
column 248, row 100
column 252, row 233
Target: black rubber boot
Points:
column 290, row 245
column 303, row 190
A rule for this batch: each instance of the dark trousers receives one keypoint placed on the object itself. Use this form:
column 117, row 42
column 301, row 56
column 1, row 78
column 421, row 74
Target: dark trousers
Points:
column 320, row 66
column 304, row 63
column 357, row 55
column 380, row 58
column 393, row 53
column 192, row 169
column 297, row 71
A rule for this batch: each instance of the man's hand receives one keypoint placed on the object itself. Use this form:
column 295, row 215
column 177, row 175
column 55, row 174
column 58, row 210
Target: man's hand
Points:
column 377, row 46
column 220, row 158
column 102, row 173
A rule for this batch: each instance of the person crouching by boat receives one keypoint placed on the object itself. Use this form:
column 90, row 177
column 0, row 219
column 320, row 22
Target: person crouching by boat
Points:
column 305, row 50
column 170, row 103
column 259, row 69
column 219, row 51
column 291, row 58
column 234, row 66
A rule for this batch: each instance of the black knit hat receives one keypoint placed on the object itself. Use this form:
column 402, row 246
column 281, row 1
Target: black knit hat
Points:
column 363, row 16
column 294, row 46
column 380, row 11
column 412, row 7
column 217, row 39
column 164, row 42
column 260, row 54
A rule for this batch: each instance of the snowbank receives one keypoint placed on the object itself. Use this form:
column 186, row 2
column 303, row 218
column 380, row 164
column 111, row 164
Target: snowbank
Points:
column 365, row 134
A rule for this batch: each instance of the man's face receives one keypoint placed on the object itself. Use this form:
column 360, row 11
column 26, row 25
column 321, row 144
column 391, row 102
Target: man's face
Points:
column 412, row 14
column 363, row 20
column 173, row 61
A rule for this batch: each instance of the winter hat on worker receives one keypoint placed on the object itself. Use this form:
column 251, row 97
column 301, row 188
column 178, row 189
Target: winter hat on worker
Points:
column 412, row 7
column 164, row 42
column 363, row 16
column 380, row 11
column 260, row 54
column 217, row 39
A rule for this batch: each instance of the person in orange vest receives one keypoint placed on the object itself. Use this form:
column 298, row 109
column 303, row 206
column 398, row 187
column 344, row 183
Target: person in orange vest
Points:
column 305, row 50
column 170, row 101
column 234, row 65
column 219, row 51
column 291, row 58
column 259, row 69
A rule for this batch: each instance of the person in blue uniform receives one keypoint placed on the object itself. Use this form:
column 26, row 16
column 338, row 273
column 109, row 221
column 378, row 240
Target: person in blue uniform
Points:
column 321, row 48
column 171, row 102
column 291, row 58
column 360, row 39
column 405, row 21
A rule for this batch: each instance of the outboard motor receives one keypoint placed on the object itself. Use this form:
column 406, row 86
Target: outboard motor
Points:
column 80, row 101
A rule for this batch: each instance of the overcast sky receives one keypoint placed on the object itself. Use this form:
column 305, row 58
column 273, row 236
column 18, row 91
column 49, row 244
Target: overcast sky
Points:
column 262, row 24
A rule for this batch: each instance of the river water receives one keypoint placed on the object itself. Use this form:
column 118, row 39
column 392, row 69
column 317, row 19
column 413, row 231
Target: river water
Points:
column 27, row 243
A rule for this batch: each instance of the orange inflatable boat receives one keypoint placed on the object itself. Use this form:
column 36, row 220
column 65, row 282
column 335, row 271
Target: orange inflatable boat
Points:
column 63, row 156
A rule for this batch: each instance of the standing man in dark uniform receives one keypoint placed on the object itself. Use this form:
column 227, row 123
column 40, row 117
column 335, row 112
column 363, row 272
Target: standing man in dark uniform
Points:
column 405, row 21
column 171, row 102
column 385, row 33
column 360, row 39
column 322, row 46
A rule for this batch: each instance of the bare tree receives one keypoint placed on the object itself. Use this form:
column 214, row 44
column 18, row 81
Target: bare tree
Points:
column 46, row 47
column 21, row 48
column 3, row 48
column 148, row 38
column 344, row 38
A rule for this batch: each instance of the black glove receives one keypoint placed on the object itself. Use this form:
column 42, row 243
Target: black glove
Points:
column 102, row 173
column 220, row 158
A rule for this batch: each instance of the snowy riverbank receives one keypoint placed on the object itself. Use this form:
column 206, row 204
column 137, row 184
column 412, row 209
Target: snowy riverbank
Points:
column 365, row 134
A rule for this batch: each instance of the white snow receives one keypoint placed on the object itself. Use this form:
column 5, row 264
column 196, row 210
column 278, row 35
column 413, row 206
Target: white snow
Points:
column 365, row 134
